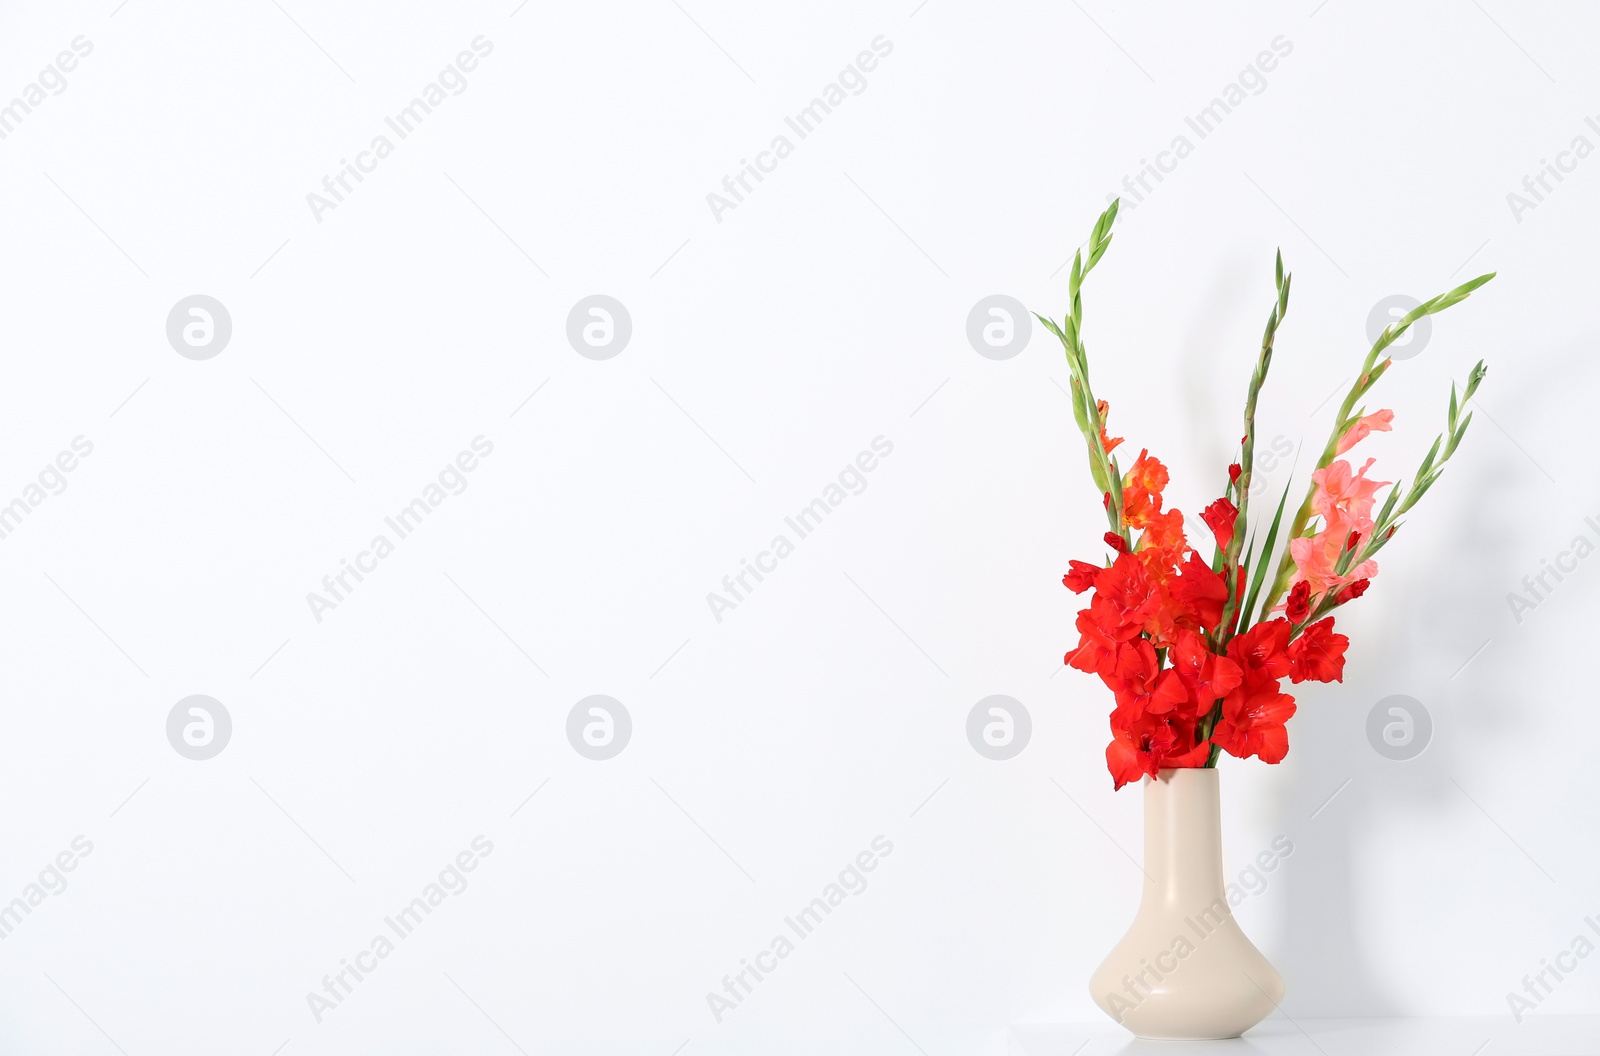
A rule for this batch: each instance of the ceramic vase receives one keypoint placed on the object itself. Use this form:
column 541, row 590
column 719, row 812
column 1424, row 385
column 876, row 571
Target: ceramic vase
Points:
column 1185, row 970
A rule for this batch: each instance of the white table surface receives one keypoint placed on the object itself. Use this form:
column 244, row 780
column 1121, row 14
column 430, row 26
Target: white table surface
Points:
column 1462, row 1036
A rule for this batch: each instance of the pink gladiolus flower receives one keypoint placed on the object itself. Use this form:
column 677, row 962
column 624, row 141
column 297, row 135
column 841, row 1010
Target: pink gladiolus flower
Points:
column 1316, row 558
column 1345, row 497
column 1377, row 422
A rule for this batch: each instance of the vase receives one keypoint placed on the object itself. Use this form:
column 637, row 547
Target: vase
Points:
column 1185, row 970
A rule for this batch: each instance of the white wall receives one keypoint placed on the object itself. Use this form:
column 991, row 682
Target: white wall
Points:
column 770, row 345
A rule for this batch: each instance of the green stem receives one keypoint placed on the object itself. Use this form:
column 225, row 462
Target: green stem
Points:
column 1230, row 561
column 1085, row 408
column 1371, row 370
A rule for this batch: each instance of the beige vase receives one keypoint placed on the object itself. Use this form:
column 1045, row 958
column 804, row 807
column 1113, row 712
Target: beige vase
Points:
column 1184, row 970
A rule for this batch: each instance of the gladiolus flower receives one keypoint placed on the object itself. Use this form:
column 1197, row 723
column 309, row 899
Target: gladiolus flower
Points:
column 1316, row 560
column 1345, row 497
column 1081, row 578
column 1377, row 422
column 1299, row 604
column 1261, row 652
column 1095, row 649
column 1354, row 590
column 1207, row 676
column 1140, row 684
column 1201, row 591
column 1141, row 490
column 1142, row 745
column 1163, row 533
column 1125, row 598
column 1108, row 443
column 1220, row 517
column 1252, row 723
column 1318, row 653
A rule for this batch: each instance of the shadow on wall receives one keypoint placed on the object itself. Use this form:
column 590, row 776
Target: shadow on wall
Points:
column 1428, row 656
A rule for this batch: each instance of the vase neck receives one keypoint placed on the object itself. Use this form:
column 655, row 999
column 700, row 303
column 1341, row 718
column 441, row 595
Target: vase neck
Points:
column 1183, row 839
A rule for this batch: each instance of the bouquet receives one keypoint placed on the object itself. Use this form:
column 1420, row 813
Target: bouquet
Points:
column 1196, row 651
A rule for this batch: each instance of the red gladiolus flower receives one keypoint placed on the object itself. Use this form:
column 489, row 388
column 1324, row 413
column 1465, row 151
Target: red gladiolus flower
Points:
column 1116, row 542
column 1095, row 649
column 1125, row 598
column 1234, row 472
column 1143, row 745
column 1207, row 676
column 1299, row 604
column 1252, row 723
column 1318, row 653
column 1081, row 578
column 1219, row 517
column 1354, row 590
column 1127, row 757
column 1262, row 651
column 1201, row 591
column 1140, row 685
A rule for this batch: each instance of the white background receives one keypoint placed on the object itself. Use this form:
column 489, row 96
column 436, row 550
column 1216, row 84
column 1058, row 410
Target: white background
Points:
column 769, row 347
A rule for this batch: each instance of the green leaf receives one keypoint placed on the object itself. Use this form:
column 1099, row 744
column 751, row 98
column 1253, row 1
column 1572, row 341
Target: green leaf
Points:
column 1460, row 293
column 1266, row 558
column 1427, row 463
column 1394, row 496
